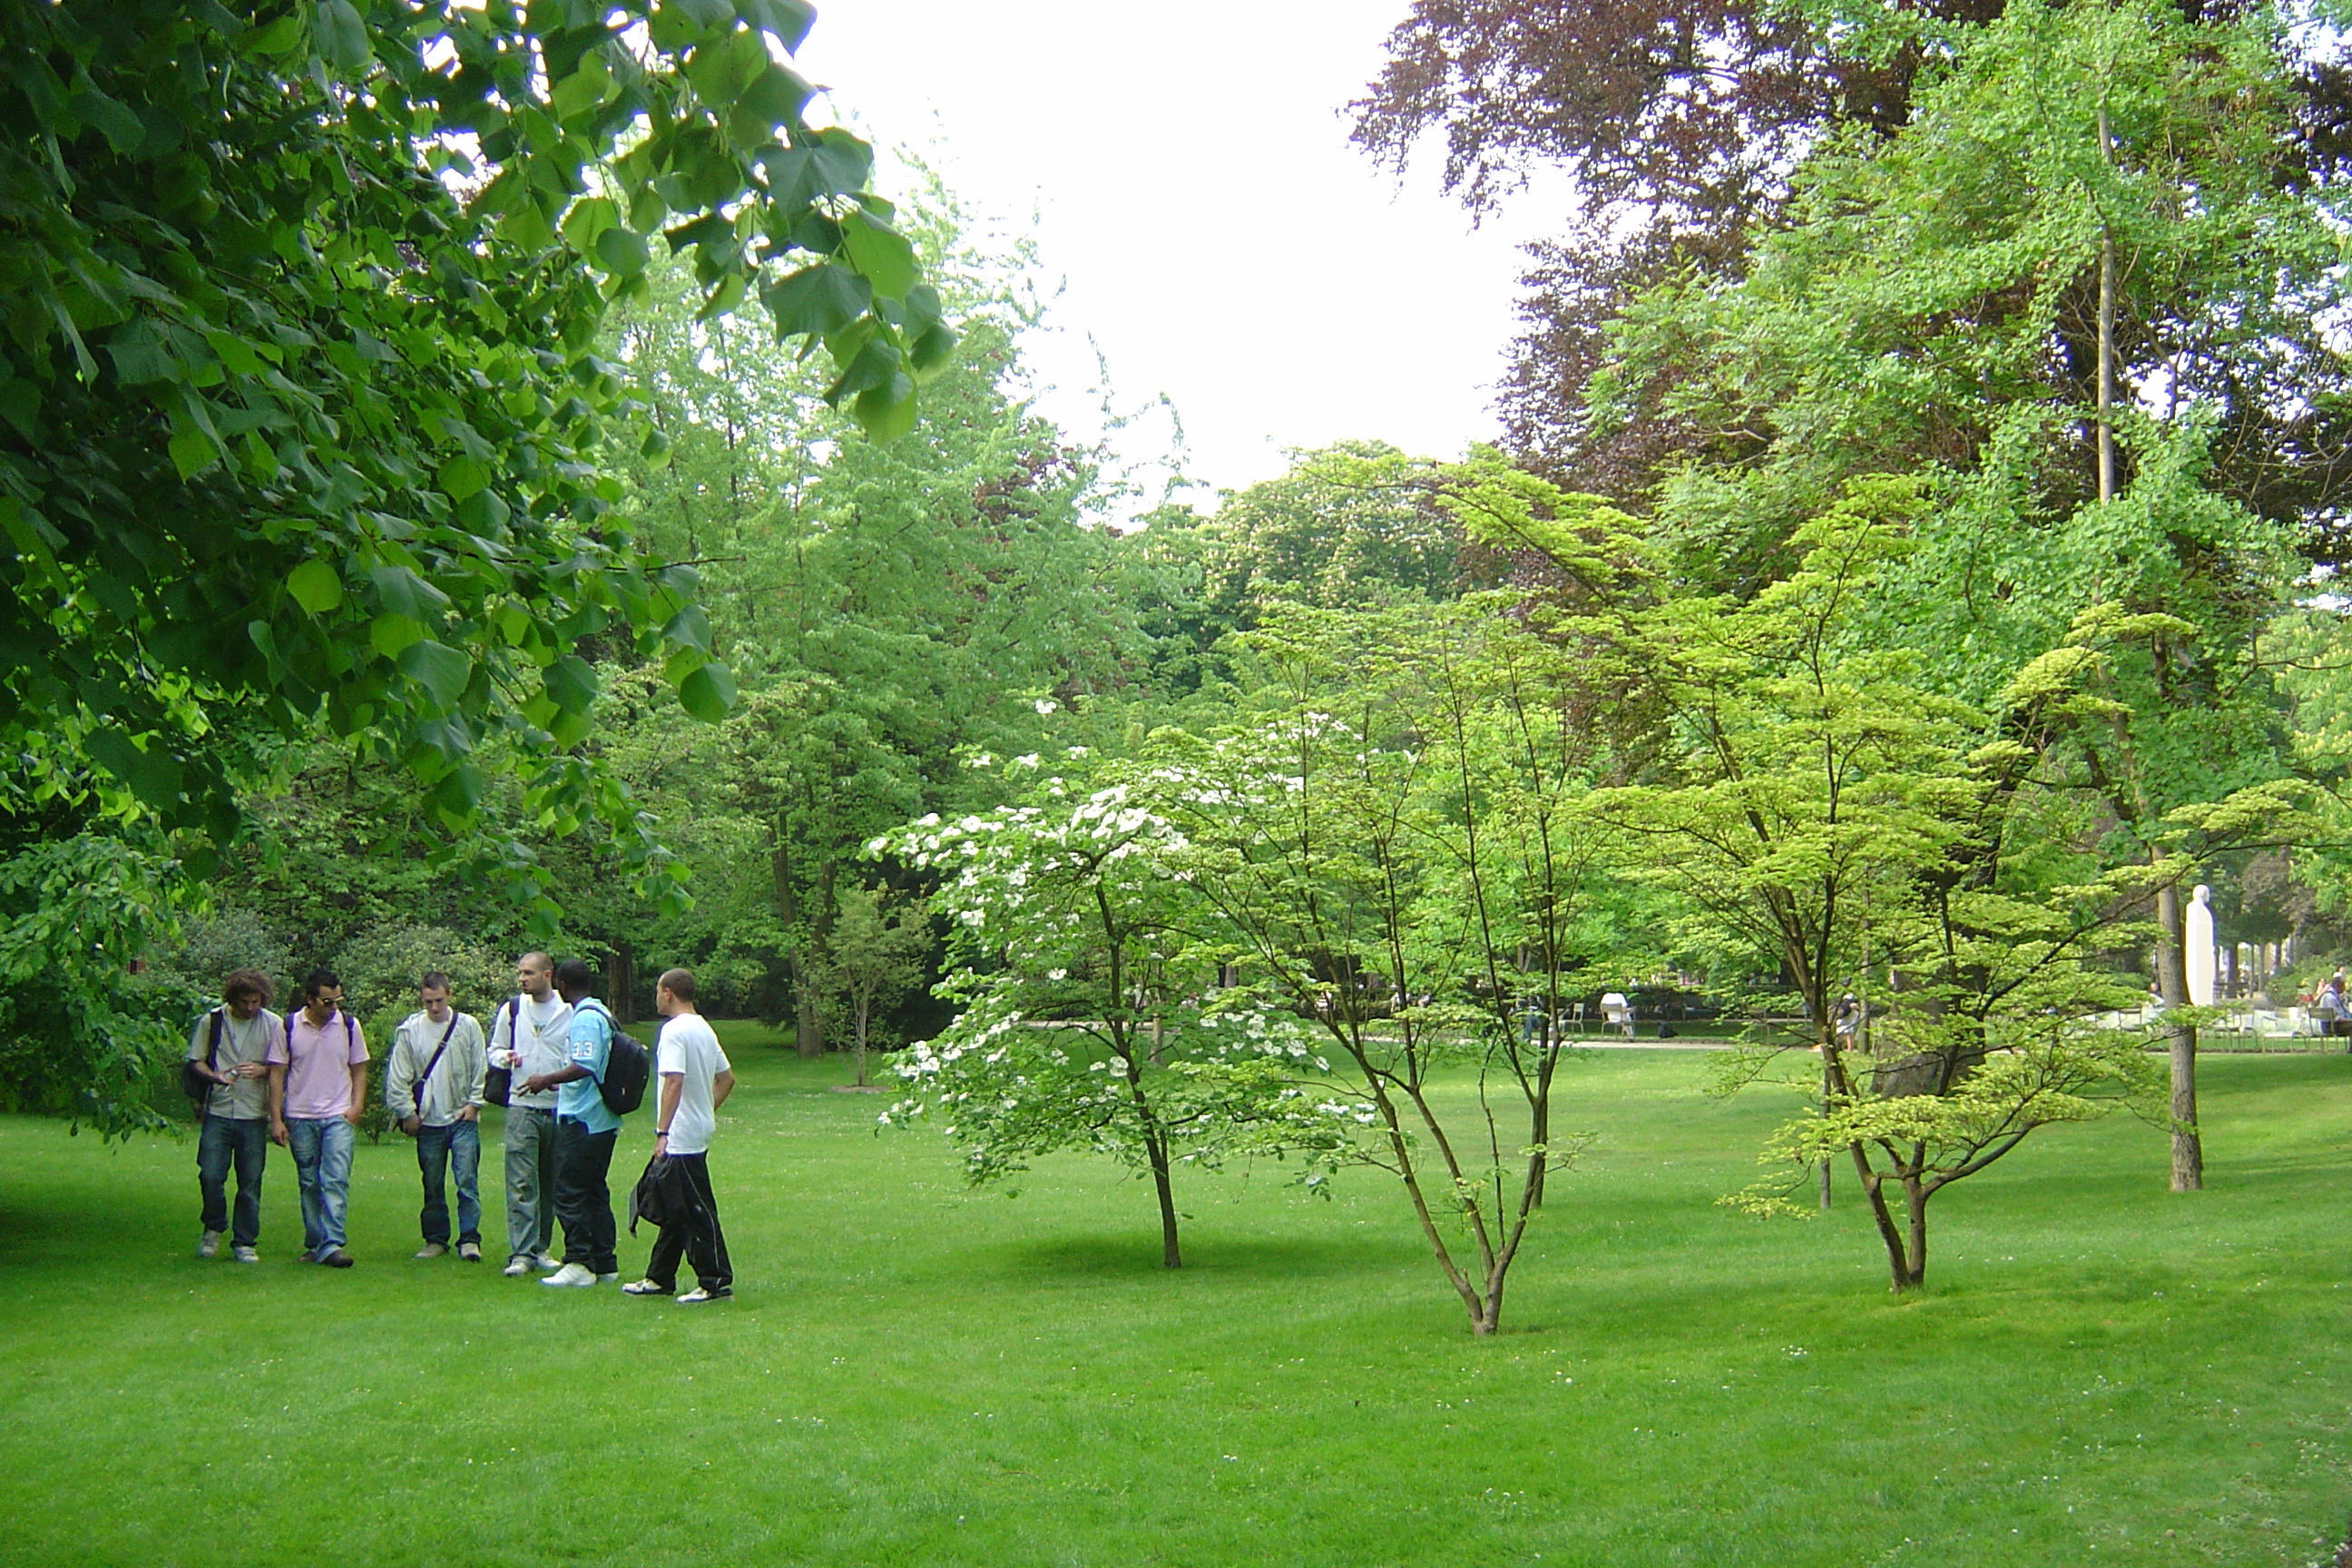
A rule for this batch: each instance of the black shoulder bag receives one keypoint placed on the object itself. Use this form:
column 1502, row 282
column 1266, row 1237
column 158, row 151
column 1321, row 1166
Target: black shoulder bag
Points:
column 497, row 1082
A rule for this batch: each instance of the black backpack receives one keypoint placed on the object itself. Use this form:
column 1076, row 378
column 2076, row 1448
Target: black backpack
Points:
column 628, row 1067
column 195, row 1084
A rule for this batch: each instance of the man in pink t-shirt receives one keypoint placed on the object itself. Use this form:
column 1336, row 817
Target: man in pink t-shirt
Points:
column 318, row 1082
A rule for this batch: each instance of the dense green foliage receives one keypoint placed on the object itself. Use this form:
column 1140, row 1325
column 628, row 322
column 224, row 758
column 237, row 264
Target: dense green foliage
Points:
column 306, row 431
column 302, row 389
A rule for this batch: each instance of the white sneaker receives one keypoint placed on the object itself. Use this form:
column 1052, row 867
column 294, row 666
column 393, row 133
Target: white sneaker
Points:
column 569, row 1273
column 210, row 1245
column 698, row 1296
column 244, row 1255
column 543, row 1263
column 517, row 1265
column 607, row 1278
column 431, row 1249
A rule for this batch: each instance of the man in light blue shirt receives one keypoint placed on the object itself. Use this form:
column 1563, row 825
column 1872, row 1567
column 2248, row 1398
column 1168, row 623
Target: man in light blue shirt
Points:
column 585, row 1131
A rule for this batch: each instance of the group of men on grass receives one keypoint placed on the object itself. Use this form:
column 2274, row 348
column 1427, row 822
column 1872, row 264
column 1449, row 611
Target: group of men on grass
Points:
column 300, row 1080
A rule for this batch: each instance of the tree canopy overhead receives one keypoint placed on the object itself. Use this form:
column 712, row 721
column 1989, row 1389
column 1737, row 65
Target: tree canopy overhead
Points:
column 1678, row 130
column 300, row 406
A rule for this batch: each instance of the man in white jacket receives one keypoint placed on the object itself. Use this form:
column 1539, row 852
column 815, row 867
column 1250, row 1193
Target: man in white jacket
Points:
column 433, row 1080
column 530, row 1036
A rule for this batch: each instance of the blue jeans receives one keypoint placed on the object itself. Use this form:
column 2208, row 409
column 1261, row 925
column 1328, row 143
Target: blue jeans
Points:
column 434, row 1147
column 322, row 1147
column 219, row 1144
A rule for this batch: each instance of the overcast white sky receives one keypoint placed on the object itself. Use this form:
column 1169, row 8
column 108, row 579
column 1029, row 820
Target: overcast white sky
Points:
column 1220, row 240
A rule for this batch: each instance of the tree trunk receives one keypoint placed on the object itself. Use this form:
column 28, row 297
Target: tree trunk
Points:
column 1158, row 1149
column 808, row 1023
column 621, row 984
column 862, row 1010
column 1873, row 1193
column 1914, row 1273
column 2181, row 1040
column 1828, row 1088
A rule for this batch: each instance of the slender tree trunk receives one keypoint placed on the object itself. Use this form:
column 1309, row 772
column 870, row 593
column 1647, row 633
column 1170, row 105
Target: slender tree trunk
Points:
column 806, row 1027
column 2181, row 1039
column 809, row 1037
column 2180, row 1042
column 621, row 984
column 862, row 1010
column 1157, row 1147
column 1827, row 1089
column 1914, row 1214
column 1873, row 1193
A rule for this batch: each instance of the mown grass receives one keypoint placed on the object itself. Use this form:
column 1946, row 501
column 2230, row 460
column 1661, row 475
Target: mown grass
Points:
column 2100, row 1373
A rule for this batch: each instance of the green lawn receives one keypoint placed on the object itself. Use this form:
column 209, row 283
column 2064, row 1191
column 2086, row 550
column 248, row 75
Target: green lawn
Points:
column 2100, row 1372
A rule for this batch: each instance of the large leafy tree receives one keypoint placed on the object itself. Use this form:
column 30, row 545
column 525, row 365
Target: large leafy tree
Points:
column 2077, row 297
column 882, row 603
column 303, row 422
column 300, row 406
column 1671, row 134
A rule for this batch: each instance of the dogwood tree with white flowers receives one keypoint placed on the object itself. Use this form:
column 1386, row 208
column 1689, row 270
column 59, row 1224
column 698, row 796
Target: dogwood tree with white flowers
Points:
column 1086, row 972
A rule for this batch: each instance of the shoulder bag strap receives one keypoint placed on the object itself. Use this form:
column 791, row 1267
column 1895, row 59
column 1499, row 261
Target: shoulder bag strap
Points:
column 416, row 1089
column 212, row 1048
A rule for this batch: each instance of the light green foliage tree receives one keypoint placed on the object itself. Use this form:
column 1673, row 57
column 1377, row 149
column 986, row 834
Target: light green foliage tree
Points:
column 1355, row 523
column 885, row 605
column 1397, row 842
column 208, row 946
column 1819, row 802
column 2070, row 297
column 382, row 966
column 878, row 954
column 1084, row 966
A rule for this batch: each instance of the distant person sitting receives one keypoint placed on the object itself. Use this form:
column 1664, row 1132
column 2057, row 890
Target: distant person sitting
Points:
column 1617, row 1012
column 2334, row 1017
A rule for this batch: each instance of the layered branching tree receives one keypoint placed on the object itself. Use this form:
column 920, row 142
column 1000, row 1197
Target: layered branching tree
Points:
column 1399, row 850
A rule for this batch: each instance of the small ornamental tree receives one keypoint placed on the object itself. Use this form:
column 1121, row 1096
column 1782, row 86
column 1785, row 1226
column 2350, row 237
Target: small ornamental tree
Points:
column 878, row 948
column 1814, row 801
column 1400, row 847
column 1084, row 966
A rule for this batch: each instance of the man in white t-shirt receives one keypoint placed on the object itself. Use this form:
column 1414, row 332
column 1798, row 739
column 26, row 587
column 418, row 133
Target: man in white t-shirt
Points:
column 529, row 1035
column 696, row 1079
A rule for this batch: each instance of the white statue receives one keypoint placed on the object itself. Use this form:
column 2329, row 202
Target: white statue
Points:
column 2197, row 937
